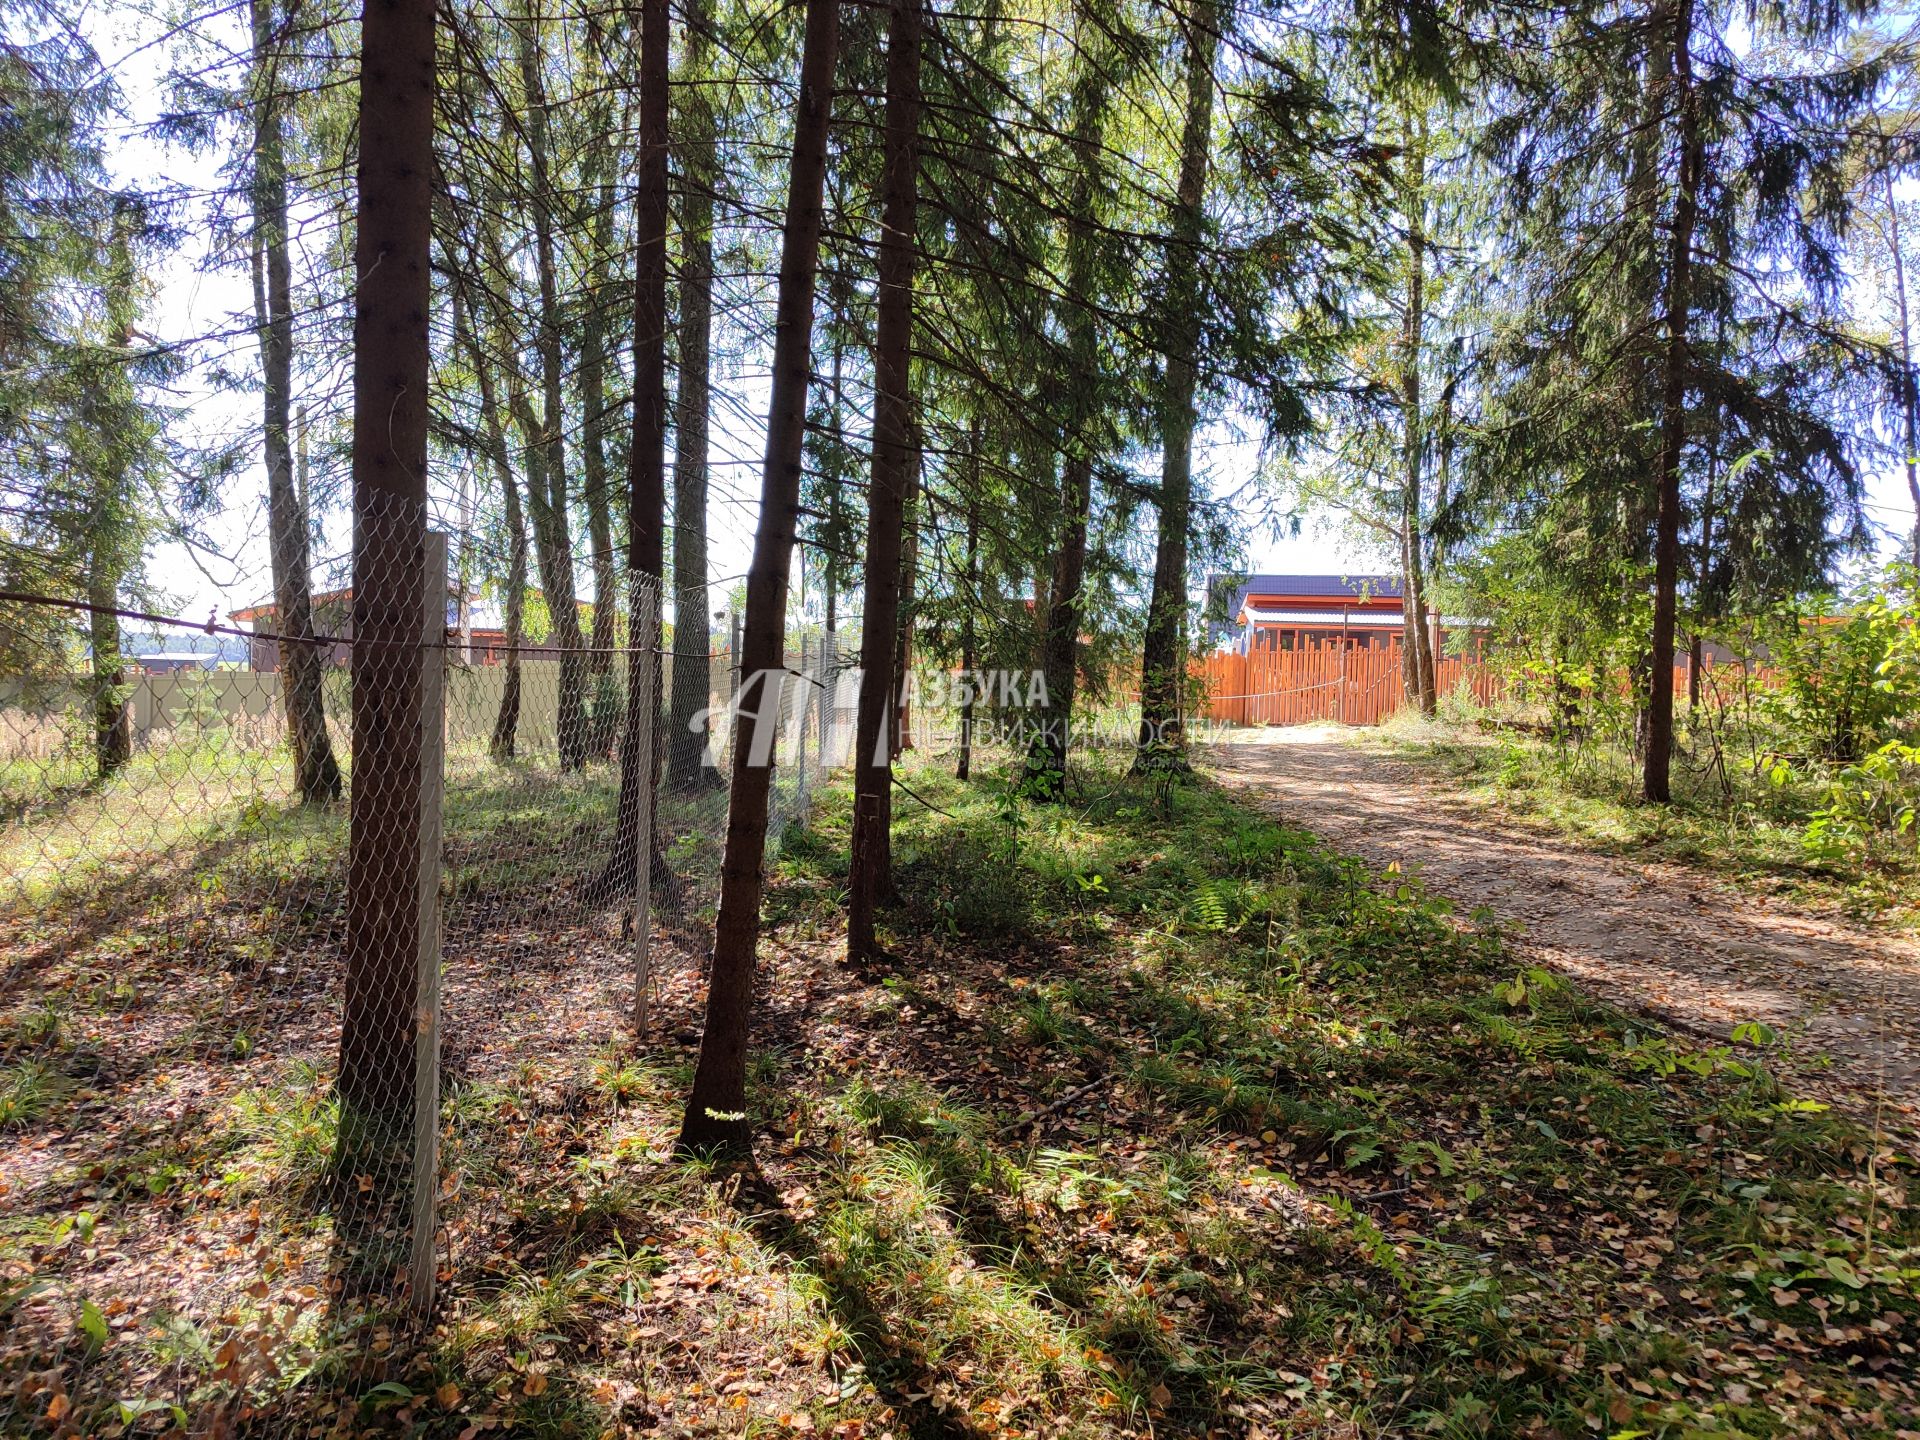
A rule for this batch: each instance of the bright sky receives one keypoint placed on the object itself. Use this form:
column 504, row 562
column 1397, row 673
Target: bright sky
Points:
column 232, row 569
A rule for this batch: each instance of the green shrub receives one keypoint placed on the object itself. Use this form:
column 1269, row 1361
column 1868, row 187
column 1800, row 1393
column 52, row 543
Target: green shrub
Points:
column 1871, row 807
column 1849, row 684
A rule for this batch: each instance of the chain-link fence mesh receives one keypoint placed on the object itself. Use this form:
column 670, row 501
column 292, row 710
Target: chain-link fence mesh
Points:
column 279, row 932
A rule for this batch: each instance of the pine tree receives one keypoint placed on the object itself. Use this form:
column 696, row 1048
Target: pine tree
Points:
column 302, row 663
column 1667, row 156
column 1163, row 660
column 715, row 1118
column 692, row 674
column 882, row 636
column 393, row 262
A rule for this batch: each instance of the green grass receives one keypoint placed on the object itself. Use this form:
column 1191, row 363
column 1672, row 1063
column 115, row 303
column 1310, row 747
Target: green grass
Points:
column 286, row 1134
column 1167, row 1121
column 1514, row 1211
column 30, row 1090
column 1736, row 823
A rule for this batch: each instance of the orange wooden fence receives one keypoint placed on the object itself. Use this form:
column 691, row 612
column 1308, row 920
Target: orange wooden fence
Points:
column 1348, row 687
column 1298, row 687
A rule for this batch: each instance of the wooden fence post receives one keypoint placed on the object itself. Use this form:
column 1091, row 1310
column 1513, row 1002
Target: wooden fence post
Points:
column 422, row 1264
column 1342, row 690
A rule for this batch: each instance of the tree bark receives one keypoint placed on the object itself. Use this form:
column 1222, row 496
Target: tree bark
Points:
column 1647, row 150
column 1657, row 777
column 1046, row 767
column 1442, row 491
column 112, row 726
column 903, row 643
column 553, row 557
column 1909, row 394
column 963, row 768
column 716, row 1117
column 392, row 263
column 692, row 665
column 893, row 459
column 646, row 458
column 506, row 723
column 551, row 530
column 1695, row 648
column 1414, row 603
column 1163, row 655
column 302, row 665
column 593, row 447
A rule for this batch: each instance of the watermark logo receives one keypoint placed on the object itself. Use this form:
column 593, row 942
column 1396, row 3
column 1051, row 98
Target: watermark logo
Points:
column 998, row 689
column 948, row 708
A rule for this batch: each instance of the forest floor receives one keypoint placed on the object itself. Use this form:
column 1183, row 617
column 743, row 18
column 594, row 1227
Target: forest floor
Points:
column 1164, row 1120
column 1667, row 940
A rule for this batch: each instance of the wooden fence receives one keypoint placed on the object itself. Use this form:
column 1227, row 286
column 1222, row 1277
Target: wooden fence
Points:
column 1332, row 683
column 1328, row 683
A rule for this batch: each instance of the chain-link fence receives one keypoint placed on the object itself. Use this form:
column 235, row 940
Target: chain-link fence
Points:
column 275, row 930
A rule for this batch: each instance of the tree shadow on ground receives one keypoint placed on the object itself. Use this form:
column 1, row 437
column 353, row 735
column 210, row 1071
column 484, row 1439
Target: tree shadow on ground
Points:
column 892, row 1370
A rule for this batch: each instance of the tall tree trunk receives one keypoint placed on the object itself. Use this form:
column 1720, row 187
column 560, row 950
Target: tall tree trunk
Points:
column 1442, row 491
column 1042, row 580
column 506, row 723
column 393, row 264
column 970, row 604
column 112, row 726
column 1046, row 768
column 1695, row 648
column 903, row 640
column 893, row 462
column 1656, row 781
column 692, row 667
column 1647, row 151
column 1163, row 656
column 1059, row 660
column 1909, row 394
column 1413, row 339
column 646, row 459
column 593, row 446
column 836, row 523
column 1426, row 693
column 106, row 401
column 716, row 1109
column 551, row 529
column 553, row 557
column 302, row 665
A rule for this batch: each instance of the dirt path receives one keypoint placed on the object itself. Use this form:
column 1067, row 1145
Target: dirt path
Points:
column 1659, row 939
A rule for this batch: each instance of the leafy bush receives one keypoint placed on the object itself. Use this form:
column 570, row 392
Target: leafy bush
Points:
column 1850, row 694
column 1849, row 684
column 1870, row 806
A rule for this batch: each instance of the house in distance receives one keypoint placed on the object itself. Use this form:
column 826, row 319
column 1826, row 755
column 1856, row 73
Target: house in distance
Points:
column 1309, row 612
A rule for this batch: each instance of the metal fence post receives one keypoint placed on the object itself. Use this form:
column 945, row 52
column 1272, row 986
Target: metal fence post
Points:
column 803, row 702
column 820, row 714
column 733, row 654
column 829, row 701
column 823, row 702
column 646, row 635
column 422, row 1264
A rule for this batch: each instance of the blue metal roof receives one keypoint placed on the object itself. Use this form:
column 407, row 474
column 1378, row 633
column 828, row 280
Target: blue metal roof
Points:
column 1331, row 587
